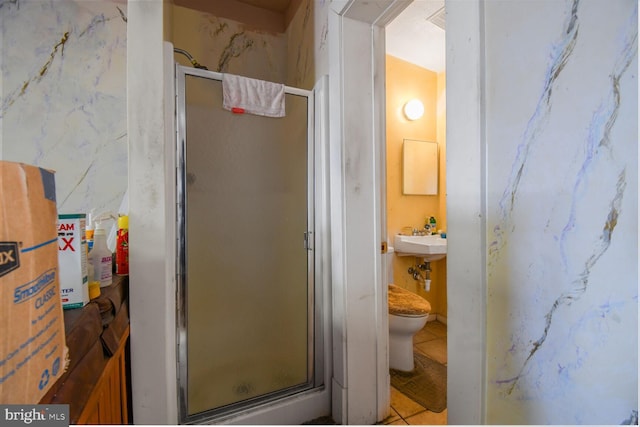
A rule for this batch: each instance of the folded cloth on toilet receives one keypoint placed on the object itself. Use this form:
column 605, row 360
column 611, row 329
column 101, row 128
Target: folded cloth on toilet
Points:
column 246, row 95
column 402, row 301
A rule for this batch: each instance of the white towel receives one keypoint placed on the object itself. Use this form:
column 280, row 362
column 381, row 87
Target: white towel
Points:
column 245, row 95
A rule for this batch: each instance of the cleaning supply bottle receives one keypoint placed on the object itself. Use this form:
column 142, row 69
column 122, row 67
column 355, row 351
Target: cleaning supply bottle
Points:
column 88, row 231
column 432, row 224
column 100, row 256
column 122, row 246
column 94, row 285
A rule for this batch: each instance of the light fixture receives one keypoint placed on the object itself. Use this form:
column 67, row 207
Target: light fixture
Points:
column 413, row 109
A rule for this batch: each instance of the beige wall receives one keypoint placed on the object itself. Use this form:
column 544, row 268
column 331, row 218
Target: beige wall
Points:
column 404, row 82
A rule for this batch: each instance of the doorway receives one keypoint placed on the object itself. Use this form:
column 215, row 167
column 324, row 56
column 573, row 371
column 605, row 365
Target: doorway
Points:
column 415, row 71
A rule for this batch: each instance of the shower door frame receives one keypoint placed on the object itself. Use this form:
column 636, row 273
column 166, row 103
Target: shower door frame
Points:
column 315, row 295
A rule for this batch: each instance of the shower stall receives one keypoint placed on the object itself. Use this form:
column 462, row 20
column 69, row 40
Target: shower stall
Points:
column 250, row 306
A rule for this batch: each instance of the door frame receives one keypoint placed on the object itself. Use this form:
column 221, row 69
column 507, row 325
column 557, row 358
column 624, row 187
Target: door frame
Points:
column 361, row 393
column 356, row 57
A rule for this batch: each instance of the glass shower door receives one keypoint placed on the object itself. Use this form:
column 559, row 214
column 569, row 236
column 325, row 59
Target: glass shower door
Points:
column 247, row 273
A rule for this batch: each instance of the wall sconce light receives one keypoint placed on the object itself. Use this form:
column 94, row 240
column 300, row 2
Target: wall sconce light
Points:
column 413, row 109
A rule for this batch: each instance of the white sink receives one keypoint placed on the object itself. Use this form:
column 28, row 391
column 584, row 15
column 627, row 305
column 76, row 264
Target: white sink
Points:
column 431, row 248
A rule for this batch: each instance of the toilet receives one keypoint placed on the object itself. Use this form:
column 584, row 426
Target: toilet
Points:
column 408, row 313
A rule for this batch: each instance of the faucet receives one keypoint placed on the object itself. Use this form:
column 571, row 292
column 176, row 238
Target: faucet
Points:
column 417, row 232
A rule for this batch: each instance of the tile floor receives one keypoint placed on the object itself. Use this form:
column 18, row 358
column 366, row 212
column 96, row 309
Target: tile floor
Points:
column 430, row 341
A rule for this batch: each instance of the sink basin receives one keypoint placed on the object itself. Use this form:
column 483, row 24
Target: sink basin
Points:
column 431, row 248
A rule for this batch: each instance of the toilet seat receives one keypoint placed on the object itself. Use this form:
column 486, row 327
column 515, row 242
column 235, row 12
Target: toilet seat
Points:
column 407, row 304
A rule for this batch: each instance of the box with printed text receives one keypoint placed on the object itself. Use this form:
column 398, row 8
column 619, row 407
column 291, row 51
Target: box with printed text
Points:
column 72, row 259
column 32, row 347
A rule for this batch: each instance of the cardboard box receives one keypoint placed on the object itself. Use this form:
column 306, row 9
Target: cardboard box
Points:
column 72, row 260
column 32, row 337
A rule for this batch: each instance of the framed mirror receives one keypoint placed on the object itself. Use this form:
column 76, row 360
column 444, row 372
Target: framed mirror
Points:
column 419, row 167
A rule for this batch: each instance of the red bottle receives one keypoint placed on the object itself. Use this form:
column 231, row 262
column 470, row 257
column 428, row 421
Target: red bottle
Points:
column 122, row 246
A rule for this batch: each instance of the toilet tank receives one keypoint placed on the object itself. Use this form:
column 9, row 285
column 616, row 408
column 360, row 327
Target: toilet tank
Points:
column 389, row 259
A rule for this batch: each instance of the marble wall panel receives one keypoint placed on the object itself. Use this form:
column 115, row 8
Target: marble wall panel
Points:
column 227, row 46
column 562, row 197
column 64, row 96
column 297, row 57
column 307, row 44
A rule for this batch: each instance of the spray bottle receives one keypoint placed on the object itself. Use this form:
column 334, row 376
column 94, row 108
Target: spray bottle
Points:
column 100, row 256
column 89, row 229
column 122, row 246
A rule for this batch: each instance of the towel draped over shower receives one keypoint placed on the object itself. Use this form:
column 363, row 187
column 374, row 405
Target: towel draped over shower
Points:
column 247, row 95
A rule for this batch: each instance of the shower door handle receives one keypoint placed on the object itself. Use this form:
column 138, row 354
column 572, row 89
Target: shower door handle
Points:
column 307, row 240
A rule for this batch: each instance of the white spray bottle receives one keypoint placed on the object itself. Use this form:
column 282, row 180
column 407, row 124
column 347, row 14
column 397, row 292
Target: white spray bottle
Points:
column 89, row 230
column 100, row 256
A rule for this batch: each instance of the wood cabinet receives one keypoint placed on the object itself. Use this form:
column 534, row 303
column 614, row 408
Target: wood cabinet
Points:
column 96, row 383
column 107, row 403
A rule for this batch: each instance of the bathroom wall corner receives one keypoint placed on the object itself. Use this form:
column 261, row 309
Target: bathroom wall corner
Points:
column 338, row 402
column 151, row 302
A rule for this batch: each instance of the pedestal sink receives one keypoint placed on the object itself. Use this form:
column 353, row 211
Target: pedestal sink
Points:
column 431, row 248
